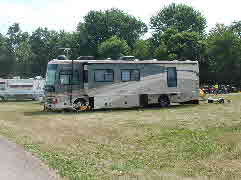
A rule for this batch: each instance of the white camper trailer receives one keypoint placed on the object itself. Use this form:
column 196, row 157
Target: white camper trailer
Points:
column 97, row 84
column 17, row 88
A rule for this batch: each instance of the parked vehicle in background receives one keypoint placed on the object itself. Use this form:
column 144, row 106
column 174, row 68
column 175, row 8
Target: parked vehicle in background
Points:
column 20, row 89
column 220, row 89
column 97, row 84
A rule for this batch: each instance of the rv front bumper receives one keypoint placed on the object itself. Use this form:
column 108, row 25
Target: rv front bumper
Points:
column 56, row 107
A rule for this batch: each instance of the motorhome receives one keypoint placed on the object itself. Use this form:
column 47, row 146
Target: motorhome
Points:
column 18, row 88
column 97, row 84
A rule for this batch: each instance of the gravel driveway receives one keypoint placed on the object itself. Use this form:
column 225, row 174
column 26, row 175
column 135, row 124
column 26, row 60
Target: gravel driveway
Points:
column 16, row 164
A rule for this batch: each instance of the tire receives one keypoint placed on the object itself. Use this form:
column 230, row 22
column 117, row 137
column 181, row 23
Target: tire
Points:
column 78, row 103
column 163, row 101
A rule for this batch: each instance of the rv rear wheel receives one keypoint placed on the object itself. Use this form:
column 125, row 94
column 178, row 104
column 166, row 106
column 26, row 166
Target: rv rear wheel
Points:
column 163, row 101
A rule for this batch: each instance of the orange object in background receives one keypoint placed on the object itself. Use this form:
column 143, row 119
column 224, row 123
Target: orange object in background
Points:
column 201, row 93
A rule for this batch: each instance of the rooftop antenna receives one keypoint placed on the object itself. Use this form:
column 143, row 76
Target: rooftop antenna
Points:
column 66, row 50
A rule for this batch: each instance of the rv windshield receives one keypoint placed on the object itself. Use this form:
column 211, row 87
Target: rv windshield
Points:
column 51, row 74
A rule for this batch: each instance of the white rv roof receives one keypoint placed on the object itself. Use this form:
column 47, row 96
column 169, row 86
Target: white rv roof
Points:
column 141, row 62
column 122, row 62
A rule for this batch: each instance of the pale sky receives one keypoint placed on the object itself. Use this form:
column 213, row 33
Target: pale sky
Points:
column 65, row 14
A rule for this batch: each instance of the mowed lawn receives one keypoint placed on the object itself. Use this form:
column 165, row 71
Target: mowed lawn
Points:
column 180, row 142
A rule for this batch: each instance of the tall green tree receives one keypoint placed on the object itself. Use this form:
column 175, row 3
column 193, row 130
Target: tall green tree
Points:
column 86, row 45
column 224, row 51
column 161, row 53
column 180, row 17
column 39, row 43
column 60, row 40
column 236, row 27
column 142, row 49
column 12, row 41
column 178, row 32
column 6, row 59
column 172, row 44
column 101, row 25
column 186, row 45
column 13, row 37
column 113, row 48
column 23, row 54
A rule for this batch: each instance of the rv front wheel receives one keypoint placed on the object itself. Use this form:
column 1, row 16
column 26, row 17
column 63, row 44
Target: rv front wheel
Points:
column 79, row 103
column 163, row 101
column 1, row 99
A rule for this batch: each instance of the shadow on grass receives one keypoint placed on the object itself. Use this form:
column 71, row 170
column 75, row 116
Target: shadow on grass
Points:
column 38, row 113
column 18, row 100
column 64, row 112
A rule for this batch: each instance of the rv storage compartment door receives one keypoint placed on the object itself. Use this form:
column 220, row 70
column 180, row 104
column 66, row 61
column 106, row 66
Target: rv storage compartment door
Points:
column 116, row 101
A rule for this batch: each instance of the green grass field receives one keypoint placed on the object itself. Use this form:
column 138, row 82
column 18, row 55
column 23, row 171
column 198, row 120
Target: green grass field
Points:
column 180, row 142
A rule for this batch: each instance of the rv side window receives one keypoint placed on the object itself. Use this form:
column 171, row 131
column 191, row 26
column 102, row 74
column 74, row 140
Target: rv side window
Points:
column 66, row 76
column 171, row 77
column 125, row 75
column 130, row 75
column 76, row 78
column 104, row 75
column 2, row 86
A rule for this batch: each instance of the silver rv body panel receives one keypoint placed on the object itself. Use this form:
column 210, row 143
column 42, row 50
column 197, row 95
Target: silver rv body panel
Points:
column 118, row 84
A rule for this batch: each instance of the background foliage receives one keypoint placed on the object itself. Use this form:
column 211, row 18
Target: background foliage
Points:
column 177, row 31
